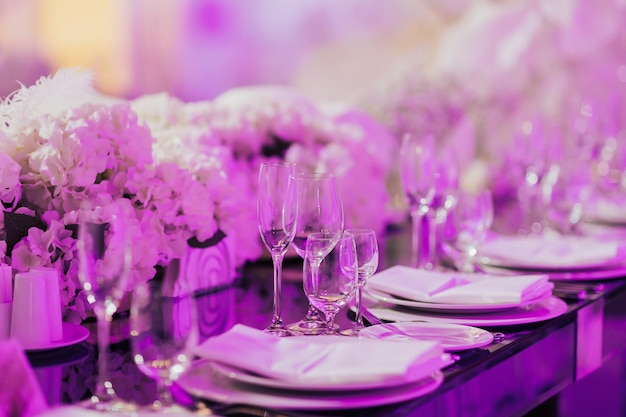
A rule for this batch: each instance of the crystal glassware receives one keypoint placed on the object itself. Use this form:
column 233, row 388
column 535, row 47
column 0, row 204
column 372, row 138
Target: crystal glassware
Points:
column 416, row 168
column 164, row 330
column 330, row 274
column 367, row 263
column 320, row 210
column 277, row 208
column 104, row 264
column 474, row 217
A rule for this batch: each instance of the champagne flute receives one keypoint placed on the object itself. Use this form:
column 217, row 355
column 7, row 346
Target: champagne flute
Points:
column 319, row 210
column 330, row 274
column 164, row 330
column 277, row 208
column 367, row 263
column 416, row 168
column 104, row 254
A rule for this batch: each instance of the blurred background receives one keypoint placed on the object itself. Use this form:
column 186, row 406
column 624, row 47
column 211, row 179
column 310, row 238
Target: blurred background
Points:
column 196, row 49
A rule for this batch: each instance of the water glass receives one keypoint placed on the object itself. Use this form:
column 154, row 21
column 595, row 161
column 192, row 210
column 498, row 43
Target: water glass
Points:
column 330, row 283
column 367, row 263
column 164, row 330
column 473, row 219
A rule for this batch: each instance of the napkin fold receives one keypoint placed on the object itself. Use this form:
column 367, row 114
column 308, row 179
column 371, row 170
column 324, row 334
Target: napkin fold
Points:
column 320, row 360
column 552, row 252
column 458, row 288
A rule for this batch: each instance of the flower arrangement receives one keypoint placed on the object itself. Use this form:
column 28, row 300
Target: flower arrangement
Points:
column 185, row 173
column 60, row 144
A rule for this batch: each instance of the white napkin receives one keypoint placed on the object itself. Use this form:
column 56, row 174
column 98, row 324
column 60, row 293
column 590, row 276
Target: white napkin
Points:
column 458, row 288
column 346, row 360
column 552, row 252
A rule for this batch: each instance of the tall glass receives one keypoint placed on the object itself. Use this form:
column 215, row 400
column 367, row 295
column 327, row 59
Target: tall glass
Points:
column 367, row 263
column 474, row 217
column 164, row 330
column 320, row 210
column 445, row 185
column 104, row 254
column 277, row 207
column 417, row 158
column 330, row 274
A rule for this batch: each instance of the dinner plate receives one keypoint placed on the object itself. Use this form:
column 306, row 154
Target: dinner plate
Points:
column 541, row 311
column 72, row 334
column 585, row 275
column 241, row 375
column 453, row 337
column 202, row 381
column 454, row 308
column 518, row 258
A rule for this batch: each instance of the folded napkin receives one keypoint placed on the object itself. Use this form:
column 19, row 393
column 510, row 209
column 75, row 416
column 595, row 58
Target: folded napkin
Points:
column 458, row 288
column 309, row 360
column 552, row 252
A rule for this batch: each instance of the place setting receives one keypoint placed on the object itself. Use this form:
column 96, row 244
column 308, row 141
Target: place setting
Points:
column 562, row 257
column 403, row 293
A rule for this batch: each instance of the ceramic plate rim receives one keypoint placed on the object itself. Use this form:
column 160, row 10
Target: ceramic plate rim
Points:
column 474, row 308
column 72, row 334
column 555, row 306
column 226, row 391
column 485, row 338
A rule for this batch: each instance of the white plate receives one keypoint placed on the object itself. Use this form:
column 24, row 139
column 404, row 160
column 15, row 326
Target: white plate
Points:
column 241, row 375
column 203, row 382
column 544, row 310
column 520, row 260
column 72, row 334
column 586, row 275
column 453, row 337
column 453, row 308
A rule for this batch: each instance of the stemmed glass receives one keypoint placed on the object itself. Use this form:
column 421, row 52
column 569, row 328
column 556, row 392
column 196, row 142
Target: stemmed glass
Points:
column 367, row 263
column 105, row 257
column 330, row 274
column 164, row 329
column 320, row 210
column 445, row 182
column 474, row 217
column 417, row 157
column 277, row 207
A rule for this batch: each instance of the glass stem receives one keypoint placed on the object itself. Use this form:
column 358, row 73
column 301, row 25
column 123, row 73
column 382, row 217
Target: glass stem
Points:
column 313, row 314
column 421, row 238
column 277, row 318
column 330, row 323
column 358, row 324
column 104, row 387
column 164, row 393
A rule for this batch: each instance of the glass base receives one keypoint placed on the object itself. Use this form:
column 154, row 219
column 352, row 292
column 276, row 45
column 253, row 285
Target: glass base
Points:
column 352, row 332
column 110, row 405
column 158, row 407
column 310, row 327
column 278, row 331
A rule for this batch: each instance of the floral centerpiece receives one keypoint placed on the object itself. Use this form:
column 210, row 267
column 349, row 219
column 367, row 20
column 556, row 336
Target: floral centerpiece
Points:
column 61, row 143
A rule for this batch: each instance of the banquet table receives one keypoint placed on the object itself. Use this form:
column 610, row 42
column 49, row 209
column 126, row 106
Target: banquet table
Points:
column 533, row 369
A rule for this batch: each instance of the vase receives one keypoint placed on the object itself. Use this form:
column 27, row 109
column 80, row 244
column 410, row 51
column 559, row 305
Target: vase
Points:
column 210, row 273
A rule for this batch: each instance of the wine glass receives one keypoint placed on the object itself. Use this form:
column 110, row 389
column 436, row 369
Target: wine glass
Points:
column 330, row 274
column 367, row 263
column 416, row 167
column 474, row 217
column 445, row 184
column 104, row 255
column 277, row 209
column 164, row 330
column 319, row 210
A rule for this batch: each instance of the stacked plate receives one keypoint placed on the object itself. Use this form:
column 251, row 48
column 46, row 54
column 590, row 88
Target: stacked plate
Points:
column 403, row 294
column 281, row 373
column 561, row 257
